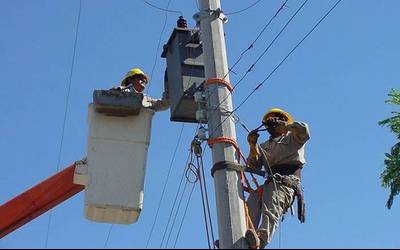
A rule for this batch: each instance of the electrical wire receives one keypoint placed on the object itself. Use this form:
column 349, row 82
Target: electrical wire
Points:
column 159, row 8
column 262, row 54
column 66, row 110
column 165, row 183
column 191, row 168
column 270, row 44
column 158, row 45
column 174, row 203
column 197, row 4
column 176, row 198
column 286, row 57
column 207, row 205
column 256, row 39
column 108, row 236
column 280, row 64
column 240, row 11
column 176, row 214
column 184, row 215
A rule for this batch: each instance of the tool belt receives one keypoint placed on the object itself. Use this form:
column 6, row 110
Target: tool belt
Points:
column 280, row 174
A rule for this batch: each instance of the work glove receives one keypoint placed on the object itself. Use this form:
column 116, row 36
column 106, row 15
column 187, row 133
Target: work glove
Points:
column 252, row 137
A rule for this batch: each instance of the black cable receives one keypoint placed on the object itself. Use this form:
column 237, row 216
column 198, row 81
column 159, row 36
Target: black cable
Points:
column 197, row 4
column 264, row 52
column 158, row 45
column 270, row 44
column 165, row 183
column 184, row 215
column 284, row 59
column 66, row 109
column 176, row 197
column 207, row 205
column 159, row 8
column 255, row 40
column 176, row 214
column 108, row 236
column 173, row 206
column 242, row 10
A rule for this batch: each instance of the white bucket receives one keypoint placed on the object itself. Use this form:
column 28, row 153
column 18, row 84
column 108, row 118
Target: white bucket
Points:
column 116, row 166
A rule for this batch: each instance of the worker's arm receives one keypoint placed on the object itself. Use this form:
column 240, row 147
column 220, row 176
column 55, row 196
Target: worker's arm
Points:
column 163, row 103
column 300, row 131
column 254, row 157
column 158, row 104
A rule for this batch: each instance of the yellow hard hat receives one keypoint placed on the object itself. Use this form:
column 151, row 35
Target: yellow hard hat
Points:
column 271, row 112
column 135, row 71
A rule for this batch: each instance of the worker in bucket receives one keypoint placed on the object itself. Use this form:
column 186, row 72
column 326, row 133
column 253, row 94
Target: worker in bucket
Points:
column 135, row 81
column 282, row 157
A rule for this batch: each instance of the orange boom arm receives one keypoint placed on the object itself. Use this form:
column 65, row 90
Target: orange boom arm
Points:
column 37, row 200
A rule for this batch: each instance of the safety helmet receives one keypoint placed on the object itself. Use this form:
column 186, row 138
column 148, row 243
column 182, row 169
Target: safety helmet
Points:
column 133, row 72
column 272, row 112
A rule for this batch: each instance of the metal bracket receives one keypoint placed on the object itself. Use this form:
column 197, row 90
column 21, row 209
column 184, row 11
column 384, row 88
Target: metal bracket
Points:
column 218, row 13
column 201, row 133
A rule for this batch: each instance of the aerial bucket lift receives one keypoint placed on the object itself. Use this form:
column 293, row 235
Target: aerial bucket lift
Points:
column 114, row 170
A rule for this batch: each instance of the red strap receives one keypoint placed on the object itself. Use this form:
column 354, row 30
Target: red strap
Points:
column 219, row 81
column 231, row 141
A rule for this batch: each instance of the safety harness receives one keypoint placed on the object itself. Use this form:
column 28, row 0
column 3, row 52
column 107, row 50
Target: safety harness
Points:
column 246, row 187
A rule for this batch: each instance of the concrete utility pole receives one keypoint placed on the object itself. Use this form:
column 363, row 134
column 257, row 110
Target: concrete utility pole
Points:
column 228, row 191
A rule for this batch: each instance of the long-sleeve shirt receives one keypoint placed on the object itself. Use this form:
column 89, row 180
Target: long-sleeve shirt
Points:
column 156, row 104
column 286, row 149
column 149, row 102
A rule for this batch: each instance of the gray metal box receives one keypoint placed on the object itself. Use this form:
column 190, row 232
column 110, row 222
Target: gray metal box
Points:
column 184, row 73
column 117, row 103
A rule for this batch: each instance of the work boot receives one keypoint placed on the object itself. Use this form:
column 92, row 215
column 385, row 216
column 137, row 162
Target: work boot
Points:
column 252, row 239
column 263, row 243
column 216, row 244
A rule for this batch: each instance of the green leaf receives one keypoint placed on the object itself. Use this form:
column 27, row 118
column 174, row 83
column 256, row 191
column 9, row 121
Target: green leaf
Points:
column 390, row 177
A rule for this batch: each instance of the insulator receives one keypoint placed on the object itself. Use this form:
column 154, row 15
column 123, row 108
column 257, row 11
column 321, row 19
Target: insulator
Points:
column 181, row 23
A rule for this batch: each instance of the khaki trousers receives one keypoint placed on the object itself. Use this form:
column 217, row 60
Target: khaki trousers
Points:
column 274, row 202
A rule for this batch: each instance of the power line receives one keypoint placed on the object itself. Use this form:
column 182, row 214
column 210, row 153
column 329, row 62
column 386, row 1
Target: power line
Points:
column 197, row 4
column 188, row 169
column 240, row 11
column 158, row 45
column 165, row 183
column 184, row 215
column 263, row 53
column 283, row 60
column 66, row 109
column 176, row 214
column 159, row 8
column 258, row 36
column 173, row 205
column 271, row 43
column 108, row 236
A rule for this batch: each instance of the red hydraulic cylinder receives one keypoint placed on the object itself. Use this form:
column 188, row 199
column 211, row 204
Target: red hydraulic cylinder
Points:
column 37, row 200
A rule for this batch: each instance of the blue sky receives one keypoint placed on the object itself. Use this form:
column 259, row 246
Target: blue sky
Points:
column 336, row 81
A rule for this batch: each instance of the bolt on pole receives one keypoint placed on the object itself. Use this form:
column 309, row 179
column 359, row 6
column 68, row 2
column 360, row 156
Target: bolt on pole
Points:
column 228, row 189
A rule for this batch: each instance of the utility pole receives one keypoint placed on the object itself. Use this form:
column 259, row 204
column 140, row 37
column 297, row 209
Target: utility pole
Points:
column 228, row 190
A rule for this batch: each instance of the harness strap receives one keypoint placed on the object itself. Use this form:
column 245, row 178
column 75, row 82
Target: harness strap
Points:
column 229, row 165
column 231, row 141
column 219, row 81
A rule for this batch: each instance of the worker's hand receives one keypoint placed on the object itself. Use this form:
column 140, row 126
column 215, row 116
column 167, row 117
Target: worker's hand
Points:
column 252, row 137
column 275, row 122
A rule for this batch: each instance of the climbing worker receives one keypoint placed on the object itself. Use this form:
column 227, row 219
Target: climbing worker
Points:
column 282, row 157
column 135, row 81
